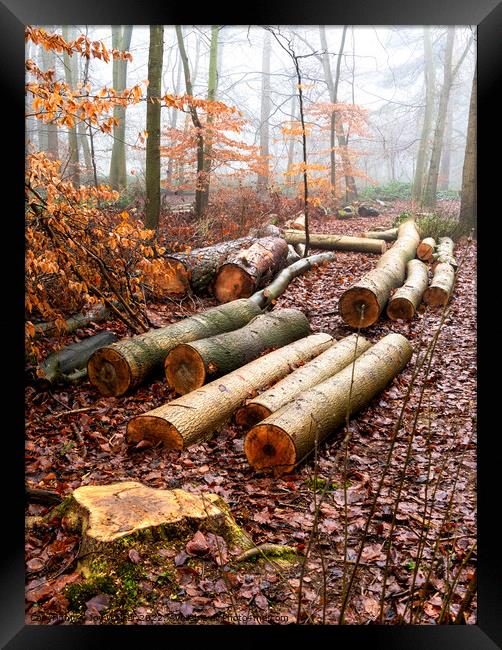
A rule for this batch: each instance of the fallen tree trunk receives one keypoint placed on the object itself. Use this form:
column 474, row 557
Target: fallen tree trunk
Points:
column 296, row 224
column 300, row 249
column 245, row 271
column 292, row 256
column 407, row 298
column 96, row 315
column 190, row 365
column 287, row 436
column 441, row 287
column 193, row 418
column 265, row 231
column 281, row 282
column 336, row 358
column 117, row 368
column 362, row 304
column 337, row 242
column 387, row 235
column 444, row 253
column 197, row 269
column 69, row 363
column 425, row 249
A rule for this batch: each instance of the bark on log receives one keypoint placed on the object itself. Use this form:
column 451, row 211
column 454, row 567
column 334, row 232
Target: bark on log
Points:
column 67, row 364
column 265, row 231
column 283, row 439
column 197, row 269
column 100, row 313
column 117, row 368
column 327, row 364
column 300, row 249
column 244, row 272
column 444, row 253
column 362, row 304
column 278, row 286
column 194, row 417
column 387, row 235
column 190, row 365
column 425, row 249
column 407, row 298
column 296, row 224
column 292, row 256
column 441, row 287
column 337, row 242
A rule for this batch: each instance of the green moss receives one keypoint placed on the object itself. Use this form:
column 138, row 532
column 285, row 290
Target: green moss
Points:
column 79, row 593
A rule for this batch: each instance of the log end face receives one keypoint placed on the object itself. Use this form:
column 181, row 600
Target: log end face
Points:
column 109, row 372
column 150, row 427
column 359, row 307
column 232, row 283
column 176, row 278
column 424, row 252
column 185, row 369
column 400, row 309
column 436, row 297
column 250, row 414
column 270, row 448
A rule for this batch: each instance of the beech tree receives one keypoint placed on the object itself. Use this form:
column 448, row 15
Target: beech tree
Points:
column 468, row 205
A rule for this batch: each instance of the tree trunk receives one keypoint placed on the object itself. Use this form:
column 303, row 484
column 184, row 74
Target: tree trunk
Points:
column 49, row 60
column 70, row 362
column 386, row 235
column 286, row 437
column 337, row 242
column 120, row 367
column 444, row 167
column 444, row 253
column 121, row 40
column 211, row 96
column 70, row 77
column 193, row 418
column 196, row 270
column 441, row 287
column 292, row 256
column 362, row 304
column 425, row 250
column 407, row 298
column 279, row 285
column 152, row 172
column 418, row 180
column 190, row 365
column 75, row 322
column 244, row 272
column 296, row 224
column 328, row 363
column 468, row 206
column 265, row 112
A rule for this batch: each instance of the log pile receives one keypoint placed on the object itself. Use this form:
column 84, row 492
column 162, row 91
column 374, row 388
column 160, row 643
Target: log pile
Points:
column 362, row 304
column 407, row 298
column 286, row 437
column 425, row 250
column 444, row 253
column 441, row 287
column 243, row 273
column 389, row 235
column 337, row 242
column 190, row 365
column 327, row 364
column 194, row 417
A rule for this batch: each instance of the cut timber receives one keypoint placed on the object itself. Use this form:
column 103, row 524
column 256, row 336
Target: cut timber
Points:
column 387, row 235
column 193, row 418
column 296, row 224
column 196, row 270
column 337, row 242
column 292, row 256
column 441, row 287
column 327, row 364
column 362, row 304
column 284, row 438
column 96, row 315
column 407, row 298
column 281, row 282
column 191, row 365
column 300, row 249
column 69, row 363
column 117, row 368
column 270, row 230
column 245, row 271
column 425, row 249
column 444, row 253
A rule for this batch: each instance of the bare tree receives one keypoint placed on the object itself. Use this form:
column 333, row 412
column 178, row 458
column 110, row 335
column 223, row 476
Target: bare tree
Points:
column 70, row 69
column 265, row 112
column 469, row 196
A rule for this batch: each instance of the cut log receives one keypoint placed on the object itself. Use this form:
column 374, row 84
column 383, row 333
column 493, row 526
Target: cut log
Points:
column 67, row 364
column 281, row 282
column 99, row 313
column 387, row 235
column 407, row 298
column 190, row 365
column 117, row 368
column 196, row 270
column 425, row 249
column 441, row 287
column 270, row 230
column 287, row 436
column 337, row 242
column 292, row 256
column 327, row 364
column 300, row 249
column 362, row 304
column 193, row 418
column 444, row 253
column 296, row 224
column 366, row 211
column 249, row 269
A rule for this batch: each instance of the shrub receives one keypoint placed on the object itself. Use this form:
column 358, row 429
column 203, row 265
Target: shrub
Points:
column 435, row 224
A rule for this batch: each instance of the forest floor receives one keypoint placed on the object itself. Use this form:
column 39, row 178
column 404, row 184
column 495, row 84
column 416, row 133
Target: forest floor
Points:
column 76, row 437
